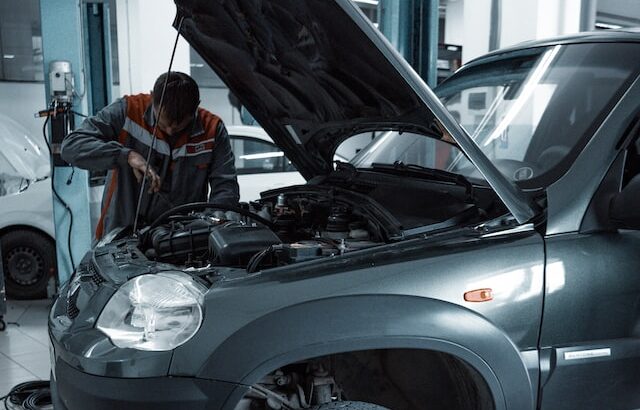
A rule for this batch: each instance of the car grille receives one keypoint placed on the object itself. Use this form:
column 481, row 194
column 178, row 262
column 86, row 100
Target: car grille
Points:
column 72, row 308
column 96, row 277
column 87, row 272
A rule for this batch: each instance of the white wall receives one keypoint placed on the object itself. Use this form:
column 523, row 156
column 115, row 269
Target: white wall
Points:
column 468, row 22
column 476, row 27
column 454, row 22
column 216, row 100
column 21, row 101
column 537, row 19
column 145, row 41
column 519, row 21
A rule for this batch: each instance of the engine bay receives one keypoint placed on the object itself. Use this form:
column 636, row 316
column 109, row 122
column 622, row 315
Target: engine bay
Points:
column 308, row 222
column 285, row 229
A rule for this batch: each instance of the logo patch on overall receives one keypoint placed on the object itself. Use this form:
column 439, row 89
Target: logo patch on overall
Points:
column 199, row 148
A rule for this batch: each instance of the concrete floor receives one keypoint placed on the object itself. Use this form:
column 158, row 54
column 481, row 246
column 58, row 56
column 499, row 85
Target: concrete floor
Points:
column 24, row 345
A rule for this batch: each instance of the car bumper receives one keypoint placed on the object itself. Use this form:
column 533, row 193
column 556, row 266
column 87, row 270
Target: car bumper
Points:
column 73, row 389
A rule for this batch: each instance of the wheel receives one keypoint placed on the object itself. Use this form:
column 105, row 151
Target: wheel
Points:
column 3, row 325
column 29, row 260
column 349, row 405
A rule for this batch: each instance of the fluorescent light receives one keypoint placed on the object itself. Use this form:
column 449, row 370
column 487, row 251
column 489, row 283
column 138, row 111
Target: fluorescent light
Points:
column 527, row 91
column 608, row 26
column 9, row 56
column 263, row 155
column 371, row 2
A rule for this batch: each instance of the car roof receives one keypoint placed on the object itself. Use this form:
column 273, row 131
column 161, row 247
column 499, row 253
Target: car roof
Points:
column 624, row 35
column 248, row 131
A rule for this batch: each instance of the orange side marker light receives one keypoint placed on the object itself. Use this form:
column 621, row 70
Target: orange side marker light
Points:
column 479, row 295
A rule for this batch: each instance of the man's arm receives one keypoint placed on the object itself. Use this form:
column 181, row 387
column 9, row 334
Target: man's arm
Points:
column 94, row 145
column 222, row 177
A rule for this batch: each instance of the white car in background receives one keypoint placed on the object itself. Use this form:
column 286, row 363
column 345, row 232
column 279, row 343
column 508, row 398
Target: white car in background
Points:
column 26, row 217
column 260, row 164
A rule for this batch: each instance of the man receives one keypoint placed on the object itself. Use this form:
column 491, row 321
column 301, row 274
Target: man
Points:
column 192, row 153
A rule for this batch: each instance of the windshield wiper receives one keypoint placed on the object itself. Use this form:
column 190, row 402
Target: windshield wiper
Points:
column 431, row 173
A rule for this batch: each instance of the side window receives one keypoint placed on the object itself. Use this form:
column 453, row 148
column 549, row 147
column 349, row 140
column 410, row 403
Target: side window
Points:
column 254, row 156
column 632, row 163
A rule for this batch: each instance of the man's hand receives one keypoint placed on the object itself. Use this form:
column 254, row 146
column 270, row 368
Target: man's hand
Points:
column 139, row 166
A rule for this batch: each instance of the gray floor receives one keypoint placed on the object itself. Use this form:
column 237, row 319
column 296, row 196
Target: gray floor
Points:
column 24, row 345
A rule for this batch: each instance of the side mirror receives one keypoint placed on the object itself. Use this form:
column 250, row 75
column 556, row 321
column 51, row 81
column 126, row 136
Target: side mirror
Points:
column 625, row 206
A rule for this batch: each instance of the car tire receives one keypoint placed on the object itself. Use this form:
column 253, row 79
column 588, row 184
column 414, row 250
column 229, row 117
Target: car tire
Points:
column 28, row 261
column 349, row 405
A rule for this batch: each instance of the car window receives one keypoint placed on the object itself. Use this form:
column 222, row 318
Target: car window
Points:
column 411, row 148
column 255, row 156
column 632, row 162
column 354, row 144
column 531, row 112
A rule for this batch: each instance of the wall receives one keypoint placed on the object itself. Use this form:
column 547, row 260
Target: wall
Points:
column 454, row 22
column 477, row 19
column 468, row 22
column 216, row 100
column 145, row 42
column 537, row 19
column 622, row 12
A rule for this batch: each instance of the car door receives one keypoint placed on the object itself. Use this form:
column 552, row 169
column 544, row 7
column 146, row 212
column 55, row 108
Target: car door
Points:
column 590, row 339
column 261, row 166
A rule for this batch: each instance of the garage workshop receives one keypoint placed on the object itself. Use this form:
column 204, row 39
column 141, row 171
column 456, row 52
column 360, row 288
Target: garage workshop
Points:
column 320, row 204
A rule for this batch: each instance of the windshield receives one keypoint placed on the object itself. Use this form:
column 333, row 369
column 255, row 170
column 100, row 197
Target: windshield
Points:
column 530, row 111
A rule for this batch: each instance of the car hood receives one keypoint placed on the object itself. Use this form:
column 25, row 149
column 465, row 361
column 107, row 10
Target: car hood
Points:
column 313, row 72
column 20, row 156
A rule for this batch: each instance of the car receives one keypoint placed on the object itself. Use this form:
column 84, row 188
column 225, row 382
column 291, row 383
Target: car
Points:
column 260, row 164
column 26, row 221
column 488, row 263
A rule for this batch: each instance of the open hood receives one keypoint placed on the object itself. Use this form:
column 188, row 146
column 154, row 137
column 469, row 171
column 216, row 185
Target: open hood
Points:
column 313, row 72
column 20, row 156
column 304, row 70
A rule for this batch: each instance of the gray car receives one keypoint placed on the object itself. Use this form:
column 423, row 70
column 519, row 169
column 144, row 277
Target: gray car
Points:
column 480, row 253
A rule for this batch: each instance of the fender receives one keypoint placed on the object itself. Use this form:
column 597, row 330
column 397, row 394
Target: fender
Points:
column 32, row 208
column 362, row 322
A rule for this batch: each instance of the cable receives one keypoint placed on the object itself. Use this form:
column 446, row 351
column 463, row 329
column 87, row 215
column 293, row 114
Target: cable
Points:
column 155, row 128
column 257, row 258
column 33, row 395
column 57, row 196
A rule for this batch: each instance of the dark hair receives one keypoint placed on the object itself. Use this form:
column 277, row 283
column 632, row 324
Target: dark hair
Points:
column 181, row 97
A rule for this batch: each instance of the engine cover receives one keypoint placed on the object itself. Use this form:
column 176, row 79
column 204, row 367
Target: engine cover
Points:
column 233, row 243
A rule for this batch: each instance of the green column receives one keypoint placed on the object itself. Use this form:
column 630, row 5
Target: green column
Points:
column 412, row 27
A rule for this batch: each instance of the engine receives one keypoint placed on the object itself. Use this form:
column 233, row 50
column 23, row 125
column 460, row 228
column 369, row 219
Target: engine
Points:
column 286, row 229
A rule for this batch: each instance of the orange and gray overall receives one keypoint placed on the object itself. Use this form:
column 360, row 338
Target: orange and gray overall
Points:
column 197, row 165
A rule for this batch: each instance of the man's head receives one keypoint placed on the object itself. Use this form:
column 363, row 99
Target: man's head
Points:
column 181, row 99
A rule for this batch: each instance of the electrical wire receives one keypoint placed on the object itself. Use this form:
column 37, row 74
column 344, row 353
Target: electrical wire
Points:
column 155, row 128
column 256, row 259
column 33, row 395
column 57, row 196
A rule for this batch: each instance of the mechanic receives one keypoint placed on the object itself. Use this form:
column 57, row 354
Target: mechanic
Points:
column 192, row 153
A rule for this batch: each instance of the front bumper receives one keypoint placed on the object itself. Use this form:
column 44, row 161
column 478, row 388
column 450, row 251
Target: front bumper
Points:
column 73, row 389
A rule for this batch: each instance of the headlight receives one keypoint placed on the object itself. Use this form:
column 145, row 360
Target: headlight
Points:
column 154, row 312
